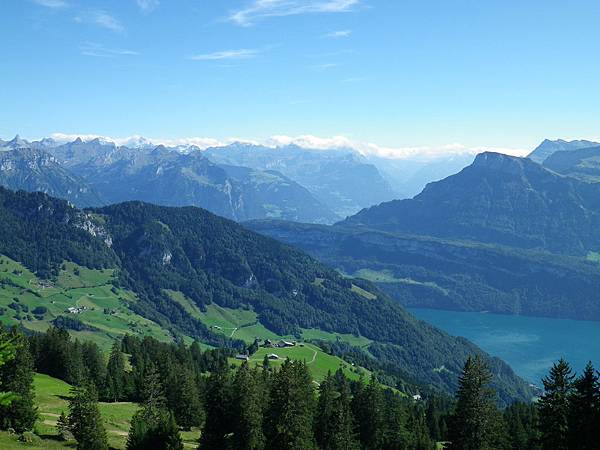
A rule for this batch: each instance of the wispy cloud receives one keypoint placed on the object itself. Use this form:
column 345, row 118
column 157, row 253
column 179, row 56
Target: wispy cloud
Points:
column 147, row 5
column 99, row 50
column 338, row 34
column 324, row 66
column 244, row 53
column 260, row 9
column 54, row 4
column 102, row 19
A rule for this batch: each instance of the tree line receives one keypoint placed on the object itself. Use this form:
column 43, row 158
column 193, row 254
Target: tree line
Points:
column 258, row 406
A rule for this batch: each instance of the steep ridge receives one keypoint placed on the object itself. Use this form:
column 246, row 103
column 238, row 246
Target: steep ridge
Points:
column 36, row 170
column 498, row 199
column 211, row 260
column 583, row 164
column 504, row 235
column 95, row 172
column 548, row 148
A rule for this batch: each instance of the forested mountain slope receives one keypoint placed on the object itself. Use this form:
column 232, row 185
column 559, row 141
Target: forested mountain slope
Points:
column 504, row 235
column 157, row 250
column 499, row 199
column 583, row 164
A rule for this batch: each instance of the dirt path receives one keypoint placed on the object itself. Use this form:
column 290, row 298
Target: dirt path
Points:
column 53, row 423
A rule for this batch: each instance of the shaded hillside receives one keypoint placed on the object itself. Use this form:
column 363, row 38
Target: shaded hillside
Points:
column 453, row 275
column 498, row 199
column 213, row 260
column 548, row 148
column 583, row 164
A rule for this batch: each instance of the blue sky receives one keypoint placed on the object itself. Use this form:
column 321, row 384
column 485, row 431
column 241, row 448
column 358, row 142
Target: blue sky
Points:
column 419, row 74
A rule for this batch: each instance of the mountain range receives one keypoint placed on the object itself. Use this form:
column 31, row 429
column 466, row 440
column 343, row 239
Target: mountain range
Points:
column 178, row 262
column 503, row 235
column 161, row 175
column 342, row 179
column 548, row 147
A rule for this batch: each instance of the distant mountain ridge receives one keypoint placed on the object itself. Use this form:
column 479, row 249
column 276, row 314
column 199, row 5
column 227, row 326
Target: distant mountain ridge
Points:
column 210, row 260
column 36, row 170
column 583, row 164
column 498, row 199
column 548, row 147
column 168, row 176
column 341, row 179
column 504, row 235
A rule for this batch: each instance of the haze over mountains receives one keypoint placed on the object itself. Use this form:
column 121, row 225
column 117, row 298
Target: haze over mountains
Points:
column 504, row 235
column 238, row 181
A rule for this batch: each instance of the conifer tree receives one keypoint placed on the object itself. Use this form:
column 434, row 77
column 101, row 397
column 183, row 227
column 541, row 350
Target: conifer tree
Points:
column 7, row 354
column 153, row 427
column 85, row 421
column 554, row 407
column 62, row 427
column 218, row 407
column 115, row 375
column 95, row 365
column 289, row 419
column 584, row 414
column 187, row 404
column 394, row 433
column 474, row 424
column 17, row 377
column 334, row 424
column 367, row 407
column 248, row 410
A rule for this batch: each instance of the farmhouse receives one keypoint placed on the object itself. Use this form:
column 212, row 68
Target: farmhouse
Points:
column 242, row 357
column 272, row 356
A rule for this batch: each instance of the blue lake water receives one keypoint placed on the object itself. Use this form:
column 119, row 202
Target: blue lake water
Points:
column 529, row 344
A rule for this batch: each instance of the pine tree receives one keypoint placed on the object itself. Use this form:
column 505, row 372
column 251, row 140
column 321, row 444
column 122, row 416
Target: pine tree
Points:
column 187, row 403
column 115, row 375
column 218, row 406
column 85, row 422
column 156, row 432
column 367, row 407
column 17, row 377
column 554, row 407
column 334, row 424
column 95, row 366
column 394, row 433
column 62, row 427
column 289, row 418
column 584, row 414
column 7, row 354
column 474, row 424
column 248, row 409
column 153, row 427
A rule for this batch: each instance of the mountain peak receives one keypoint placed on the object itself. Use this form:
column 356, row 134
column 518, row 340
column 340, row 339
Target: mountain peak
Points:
column 17, row 142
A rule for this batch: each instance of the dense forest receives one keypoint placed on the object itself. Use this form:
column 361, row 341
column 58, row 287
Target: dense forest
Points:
column 212, row 260
column 261, row 407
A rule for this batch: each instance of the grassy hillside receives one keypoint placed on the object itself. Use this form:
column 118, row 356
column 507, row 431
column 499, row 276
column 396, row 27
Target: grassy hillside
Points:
column 51, row 399
column 187, row 271
column 104, row 309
